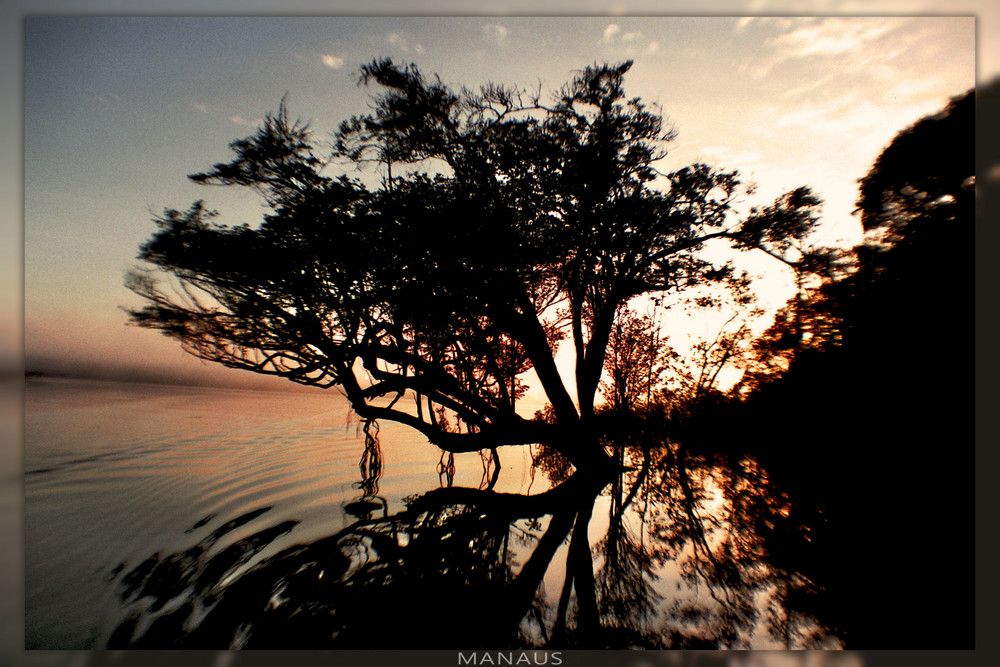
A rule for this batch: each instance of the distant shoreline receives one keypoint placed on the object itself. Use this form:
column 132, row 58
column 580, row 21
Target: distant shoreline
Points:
column 32, row 375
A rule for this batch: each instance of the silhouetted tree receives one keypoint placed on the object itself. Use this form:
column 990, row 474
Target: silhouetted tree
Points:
column 806, row 324
column 633, row 363
column 503, row 225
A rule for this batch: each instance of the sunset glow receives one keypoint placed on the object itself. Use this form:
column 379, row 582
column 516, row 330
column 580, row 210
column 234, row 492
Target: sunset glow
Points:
column 114, row 122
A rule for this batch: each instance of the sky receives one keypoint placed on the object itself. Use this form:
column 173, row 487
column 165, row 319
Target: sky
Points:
column 118, row 110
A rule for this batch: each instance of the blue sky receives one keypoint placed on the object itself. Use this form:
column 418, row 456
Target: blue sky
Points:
column 118, row 110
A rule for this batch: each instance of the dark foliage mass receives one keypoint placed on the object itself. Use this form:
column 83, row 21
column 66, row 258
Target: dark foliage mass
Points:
column 875, row 412
column 503, row 225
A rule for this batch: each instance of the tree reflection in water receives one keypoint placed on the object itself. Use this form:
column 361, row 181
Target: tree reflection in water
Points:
column 693, row 553
column 371, row 472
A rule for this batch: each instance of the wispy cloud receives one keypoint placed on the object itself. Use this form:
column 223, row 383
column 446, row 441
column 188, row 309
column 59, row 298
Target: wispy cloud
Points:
column 841, row 37
column 809, row 86
column 331, row 61
column 240, row 120
column 832, row 36
column 630, row 41
column 784, row 23
column 108, row 98
column 732, row 157
column 495, row 33
column 199, row 107
column 403, row 44
column 852, row 119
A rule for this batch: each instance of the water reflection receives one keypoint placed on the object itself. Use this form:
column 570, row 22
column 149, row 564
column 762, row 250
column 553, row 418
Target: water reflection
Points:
column 672, row 551
column 174, row 591
column 370, row 467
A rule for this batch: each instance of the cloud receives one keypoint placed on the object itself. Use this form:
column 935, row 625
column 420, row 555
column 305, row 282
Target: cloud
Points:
column 849, row 38
column 240, row 120
column 108, row 99
column 495, row 33
column 610, row 32
column 198, row 106
column 833, row 36
column 733, row 157
column 810, row 86
column 630, row 42
column 400, row 42
column 853, row 119
column 331, row 61
column 784, row 23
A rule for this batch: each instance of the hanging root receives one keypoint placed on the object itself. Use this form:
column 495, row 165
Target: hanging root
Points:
column 491, row 468
column 446, row 469
column 371, row 460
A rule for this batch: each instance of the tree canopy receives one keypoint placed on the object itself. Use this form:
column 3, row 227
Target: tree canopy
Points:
column 878, row 396
column 504, row 225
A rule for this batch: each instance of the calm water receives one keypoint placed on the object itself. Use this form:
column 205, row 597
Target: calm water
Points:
column 159, row 516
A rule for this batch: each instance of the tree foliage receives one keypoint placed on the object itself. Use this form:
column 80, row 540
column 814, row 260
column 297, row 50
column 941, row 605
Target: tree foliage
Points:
column 876, row 395
column 504, row 225
column 910, row 281
column 634, row 363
